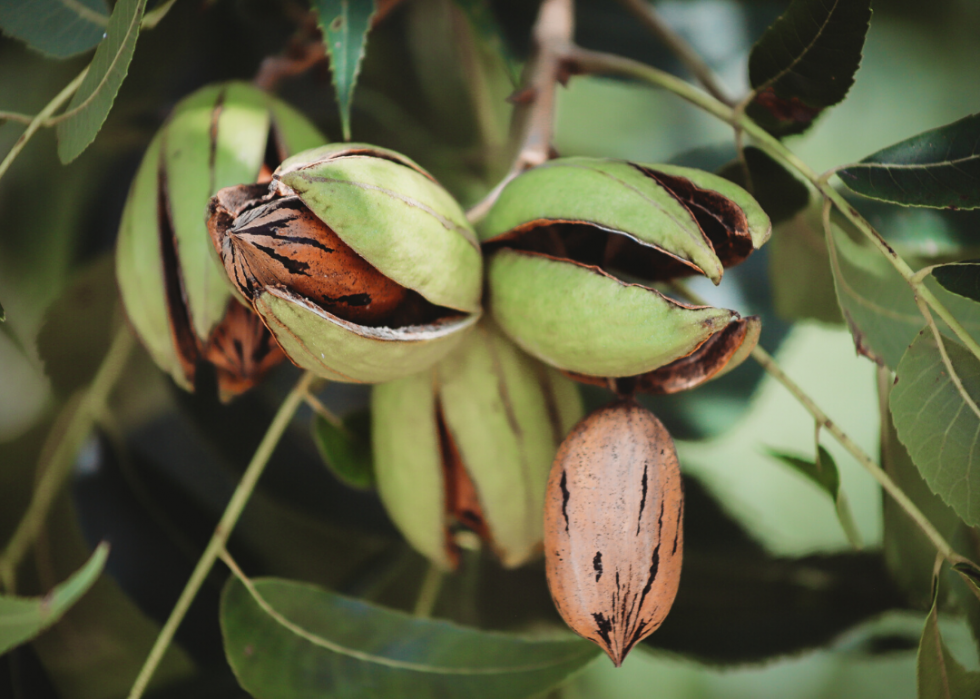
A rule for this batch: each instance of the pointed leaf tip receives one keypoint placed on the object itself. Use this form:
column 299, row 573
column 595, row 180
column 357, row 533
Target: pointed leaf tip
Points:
column 806, row 62
column 939, row 168
column 90, row 106
column 345, row 25
column 21, row 619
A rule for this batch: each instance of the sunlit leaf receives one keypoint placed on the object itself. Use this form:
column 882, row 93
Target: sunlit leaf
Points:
column 878, row 303
column 938, row 421
column 939, row 674
column 286, row 639
column 58, row 28
column 345, row 25
column 778, row 192
column 93, row 100
column 806, row 62
column 938, row 168
column 24, row 618
column 824, row 473
column 346, row 448
column 962, row 278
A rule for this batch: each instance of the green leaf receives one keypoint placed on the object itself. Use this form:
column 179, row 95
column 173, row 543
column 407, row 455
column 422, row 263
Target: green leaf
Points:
column 962, row 278
column 58, row 28
column 939, row 422
column 286, row 639
column 877, row 302
column 345, row 25
column 93, row 100
column 824, row 473
column 3, row 315
column 483, row 20
column 939, row 674
column 346, row 448
column 21, row 618
column 939, row 168
column 778, row 192
column 78, row 327
column 908, row 553
column 799, row 269
column 806, row 62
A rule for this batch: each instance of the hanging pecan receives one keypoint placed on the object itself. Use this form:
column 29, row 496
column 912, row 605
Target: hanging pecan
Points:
column 614, row 538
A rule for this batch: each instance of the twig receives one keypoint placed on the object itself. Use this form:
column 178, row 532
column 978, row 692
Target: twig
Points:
column 676, row 44
column 41, row 120
column 903, row 500
column 535, row 115
column 17, row 117
column 45, row 118
column 599, row 63
column 323, row 411
column 429, row 592
column 58, row 467
column 221, row 532
column 766, row 361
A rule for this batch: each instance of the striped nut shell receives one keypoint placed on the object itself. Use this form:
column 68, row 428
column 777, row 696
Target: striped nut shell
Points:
column 573, row 244
column 175, row 292
column 360, row 264
column 468, row 445
column 613, row 527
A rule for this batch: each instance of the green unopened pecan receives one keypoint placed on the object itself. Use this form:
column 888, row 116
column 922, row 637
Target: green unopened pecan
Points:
column 362, row 266
column 174, row 289
column 574, row 245
column 468, row 444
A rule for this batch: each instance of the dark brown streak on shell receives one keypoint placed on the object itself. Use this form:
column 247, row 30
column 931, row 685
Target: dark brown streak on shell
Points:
column 219, row 106
column 281, row 243
column 181, row 327
column 242, row 350
column 590, row 244
column 722, row 220
column 462, row 500
column 612, row 585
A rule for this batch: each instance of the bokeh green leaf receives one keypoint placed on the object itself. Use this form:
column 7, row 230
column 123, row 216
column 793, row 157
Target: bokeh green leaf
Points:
column 878, row 303
column 939, row 674
column 287, row 639
column 90, row 106
column 57, row 28
column 778, row 192
column 23, row 618
column 823, row 472
column 346, row 448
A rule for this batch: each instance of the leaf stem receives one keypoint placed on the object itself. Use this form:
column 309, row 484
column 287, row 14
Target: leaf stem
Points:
column 675, row 43
column 429, row 592
column 55, row 469
column 774, row 370
column 598, row 63
column 41, row 119
column 767, row 362
column 535, row 114
column 222, row 531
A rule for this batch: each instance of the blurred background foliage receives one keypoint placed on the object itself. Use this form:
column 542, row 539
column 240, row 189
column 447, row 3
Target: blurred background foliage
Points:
column 154, row 478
